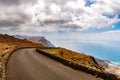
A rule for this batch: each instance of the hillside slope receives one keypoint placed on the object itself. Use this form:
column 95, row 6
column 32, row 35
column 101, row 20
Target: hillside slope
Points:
column 8, row 42
column 75, row 57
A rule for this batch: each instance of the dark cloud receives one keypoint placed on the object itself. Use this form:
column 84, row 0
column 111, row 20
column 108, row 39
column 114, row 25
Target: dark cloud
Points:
column 15, row 2
column 9, row 23
column 9, row 2
column 60, row 21
column 13, row 15
column 71, row 26
column 14, row 22
column 61, row 24
column 61, row 2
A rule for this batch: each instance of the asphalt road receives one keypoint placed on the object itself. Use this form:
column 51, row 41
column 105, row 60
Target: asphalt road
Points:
column 27, row 64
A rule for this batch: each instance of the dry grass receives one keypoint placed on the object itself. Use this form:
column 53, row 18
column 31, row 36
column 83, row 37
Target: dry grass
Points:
column 4, row 48
column 75, row 57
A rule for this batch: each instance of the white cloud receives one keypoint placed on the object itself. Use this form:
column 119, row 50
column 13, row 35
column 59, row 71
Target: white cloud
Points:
column 55, row 9
column 106, row 6
column 76, row 4
column 79, row 16
column 77, row 40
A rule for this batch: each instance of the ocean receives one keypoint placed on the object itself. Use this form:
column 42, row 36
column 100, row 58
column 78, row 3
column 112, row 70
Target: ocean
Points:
column 110, row 52
column 100, row 51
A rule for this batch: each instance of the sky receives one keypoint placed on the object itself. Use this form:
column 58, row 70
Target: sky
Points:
column 74, row 24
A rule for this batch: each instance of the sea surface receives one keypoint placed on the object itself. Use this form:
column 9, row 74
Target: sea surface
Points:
column 111, row 53
column 102, row 52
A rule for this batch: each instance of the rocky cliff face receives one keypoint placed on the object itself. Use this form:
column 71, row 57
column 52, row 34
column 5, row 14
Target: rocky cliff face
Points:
column 37, row 39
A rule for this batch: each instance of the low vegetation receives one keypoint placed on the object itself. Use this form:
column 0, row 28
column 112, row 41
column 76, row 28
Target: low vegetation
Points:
column 75, row 57
column 78, row 61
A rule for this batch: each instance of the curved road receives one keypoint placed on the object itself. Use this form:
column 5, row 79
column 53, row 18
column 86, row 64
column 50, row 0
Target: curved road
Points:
column 27, row 64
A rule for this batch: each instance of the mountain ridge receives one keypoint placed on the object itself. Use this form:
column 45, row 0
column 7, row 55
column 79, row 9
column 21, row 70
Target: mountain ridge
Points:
column 36, row 39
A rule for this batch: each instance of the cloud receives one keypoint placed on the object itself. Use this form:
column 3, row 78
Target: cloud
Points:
column 14, row 21
column 70, row 27
column 15, row 14
column 95, row 14
column 8, row 23
column 15, row 2
column 77, row 41
column 48, row 22
column 55, row 15
column 109, row 7
column 9, row 2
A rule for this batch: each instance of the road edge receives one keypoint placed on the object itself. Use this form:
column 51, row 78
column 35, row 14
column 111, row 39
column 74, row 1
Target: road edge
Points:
column 96, row 73
column 6, row 59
